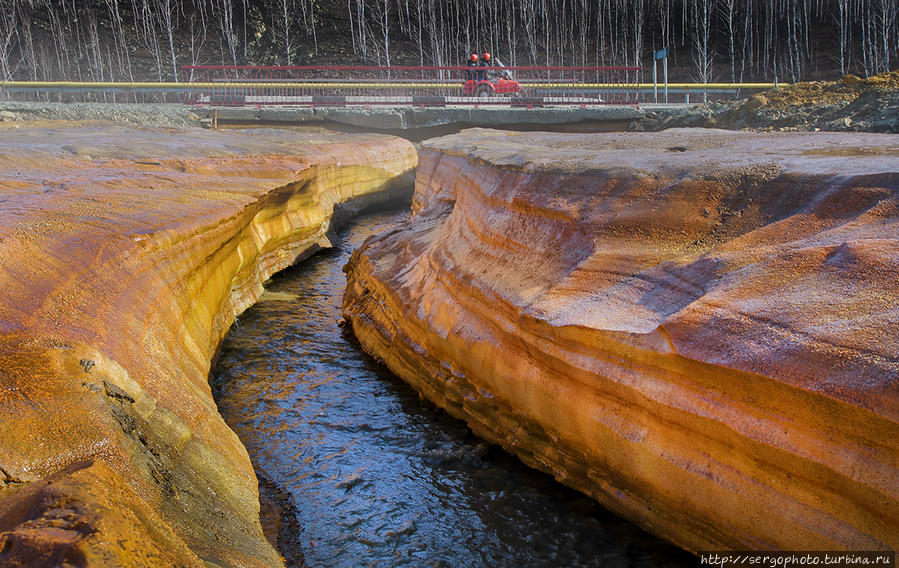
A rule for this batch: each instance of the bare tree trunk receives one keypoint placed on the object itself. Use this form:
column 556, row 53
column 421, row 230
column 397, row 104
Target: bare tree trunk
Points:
column 886, row 26
column 307, row 8
column 60, row 45
column 245, row 6
column 285, row 19
column 729, row 7
column 94, row 50
column 8, row 36
column 165, row 14
column 363, row 34
column 702, row 54
column 384, row 22
column 225, row 22
column 419, row 35
column 27, row 55
column 843, row 28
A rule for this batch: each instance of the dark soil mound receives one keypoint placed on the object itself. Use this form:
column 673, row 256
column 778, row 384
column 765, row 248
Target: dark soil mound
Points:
column 850, row 104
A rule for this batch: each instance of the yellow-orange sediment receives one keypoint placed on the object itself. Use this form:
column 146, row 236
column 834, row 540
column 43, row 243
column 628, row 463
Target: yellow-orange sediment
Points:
column 125, row 255
column 698, row 328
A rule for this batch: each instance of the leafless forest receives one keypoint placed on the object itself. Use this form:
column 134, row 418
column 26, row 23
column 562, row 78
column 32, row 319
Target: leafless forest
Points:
column 709, row 40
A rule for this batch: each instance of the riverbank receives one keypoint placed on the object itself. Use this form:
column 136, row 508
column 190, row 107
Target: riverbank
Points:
column 380, row 477
column 127, row 252
column 695, row 327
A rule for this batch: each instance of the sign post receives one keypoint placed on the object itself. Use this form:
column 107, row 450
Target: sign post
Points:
column 665, row 72
column 663, row 55
column 655, row 81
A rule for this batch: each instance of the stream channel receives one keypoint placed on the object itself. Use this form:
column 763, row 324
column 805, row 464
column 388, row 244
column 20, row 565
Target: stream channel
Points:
column 377, row 475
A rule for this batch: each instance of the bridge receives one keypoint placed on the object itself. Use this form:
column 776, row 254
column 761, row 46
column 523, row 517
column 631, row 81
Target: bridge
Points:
column 398, row 98
column 221, row 85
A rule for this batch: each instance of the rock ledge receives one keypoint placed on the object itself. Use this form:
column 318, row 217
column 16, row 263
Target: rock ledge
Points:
column 125, row 255
column 698, row 328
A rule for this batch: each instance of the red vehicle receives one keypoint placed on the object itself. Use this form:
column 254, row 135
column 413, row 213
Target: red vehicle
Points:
column 496, row 82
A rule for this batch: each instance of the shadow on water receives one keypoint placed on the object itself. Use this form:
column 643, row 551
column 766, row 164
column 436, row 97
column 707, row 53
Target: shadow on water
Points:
column 366, row 473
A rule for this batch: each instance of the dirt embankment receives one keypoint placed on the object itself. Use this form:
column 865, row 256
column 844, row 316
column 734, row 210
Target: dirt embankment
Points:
column 698, row 328
column 125, row 255
column 143, row 114
column 848, row 105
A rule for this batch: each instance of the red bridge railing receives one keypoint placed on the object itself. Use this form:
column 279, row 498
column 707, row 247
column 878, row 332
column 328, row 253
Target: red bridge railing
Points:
column 417, row 86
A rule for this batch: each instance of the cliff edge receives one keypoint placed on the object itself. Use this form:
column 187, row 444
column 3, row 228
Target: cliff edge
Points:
column 125, row 255
column 699, row 328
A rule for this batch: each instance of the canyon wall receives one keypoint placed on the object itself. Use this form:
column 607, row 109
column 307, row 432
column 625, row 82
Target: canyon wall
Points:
column 125, row 255
column 698, row 328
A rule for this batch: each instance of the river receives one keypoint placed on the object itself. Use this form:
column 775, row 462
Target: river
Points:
column 380, row 477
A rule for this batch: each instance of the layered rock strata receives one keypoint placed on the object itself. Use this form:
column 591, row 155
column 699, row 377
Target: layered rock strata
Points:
column 698, row 328
column 125, row 255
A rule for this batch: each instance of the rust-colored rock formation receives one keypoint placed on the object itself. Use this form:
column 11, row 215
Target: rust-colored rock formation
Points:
column 125, row 255
column 698, row 328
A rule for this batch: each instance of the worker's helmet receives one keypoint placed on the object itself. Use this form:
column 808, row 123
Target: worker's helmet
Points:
column 473, row 57
column 487, row 56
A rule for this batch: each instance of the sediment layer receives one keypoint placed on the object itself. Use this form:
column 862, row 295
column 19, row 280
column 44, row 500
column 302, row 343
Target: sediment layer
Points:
column 698, row 328
column 125, row 255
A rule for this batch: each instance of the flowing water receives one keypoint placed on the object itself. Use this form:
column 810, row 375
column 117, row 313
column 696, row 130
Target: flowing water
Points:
column 379, row 476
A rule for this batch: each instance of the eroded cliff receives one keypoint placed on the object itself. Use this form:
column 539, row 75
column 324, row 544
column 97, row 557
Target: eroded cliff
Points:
column 125, row 255
column 698, row 328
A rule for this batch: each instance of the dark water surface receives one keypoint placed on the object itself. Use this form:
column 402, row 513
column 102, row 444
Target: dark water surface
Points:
column 379, row 476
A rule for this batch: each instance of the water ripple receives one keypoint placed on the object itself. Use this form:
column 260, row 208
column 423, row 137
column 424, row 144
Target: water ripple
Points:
column 380, row 477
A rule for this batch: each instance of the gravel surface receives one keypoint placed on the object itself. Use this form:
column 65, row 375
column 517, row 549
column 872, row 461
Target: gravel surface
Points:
column 151, row 114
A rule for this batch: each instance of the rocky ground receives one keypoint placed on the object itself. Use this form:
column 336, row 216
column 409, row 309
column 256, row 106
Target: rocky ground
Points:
column 696, row 327
column 848, row 105
column 125, row 254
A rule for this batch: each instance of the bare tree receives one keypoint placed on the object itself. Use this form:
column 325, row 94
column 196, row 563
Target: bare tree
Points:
column 308, row 8
column 381, row 12
column 701, row 12
column 120, row 43
column 165, row 14
column 95, row 56
column 26, row 40
column 843, row 27
column 224, row 12
column 8, row 36
column 728, row 8
column 284, row 27
column 885, row 19
column 147, row 36
column 764, row 39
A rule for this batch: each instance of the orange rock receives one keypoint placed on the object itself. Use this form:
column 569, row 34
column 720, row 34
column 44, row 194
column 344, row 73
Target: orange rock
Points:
column 698, row 328
column 125, row 255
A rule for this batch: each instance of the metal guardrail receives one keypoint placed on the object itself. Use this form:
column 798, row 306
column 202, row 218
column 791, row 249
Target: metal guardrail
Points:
column 404, row 92
column 421, row 86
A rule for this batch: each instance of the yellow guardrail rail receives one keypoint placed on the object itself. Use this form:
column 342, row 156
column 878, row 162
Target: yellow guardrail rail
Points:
column 704, row 86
